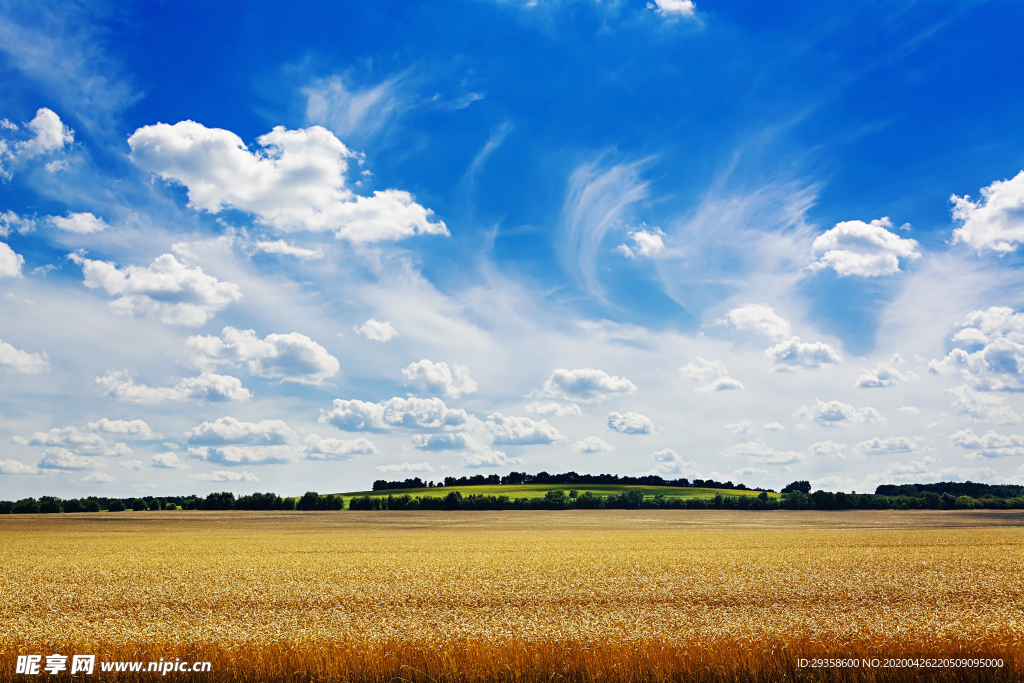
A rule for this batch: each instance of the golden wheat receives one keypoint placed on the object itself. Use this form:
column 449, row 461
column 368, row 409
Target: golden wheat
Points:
column 586, row 595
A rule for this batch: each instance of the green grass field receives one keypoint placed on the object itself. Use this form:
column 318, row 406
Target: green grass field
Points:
column 538, row 491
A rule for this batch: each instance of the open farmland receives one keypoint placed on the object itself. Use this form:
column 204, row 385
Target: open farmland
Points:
column 539, row 491
column 579, row 596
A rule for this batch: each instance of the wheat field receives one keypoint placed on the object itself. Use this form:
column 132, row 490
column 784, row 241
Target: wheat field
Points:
column 530, row 596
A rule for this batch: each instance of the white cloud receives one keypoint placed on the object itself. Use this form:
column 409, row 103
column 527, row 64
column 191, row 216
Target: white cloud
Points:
column 982, row 407
column 320, row 448
column 760, row 452
column 996, row 222
column 909, row 410
column 75, row 439
column 10, row 261
column 167, row 461
column 407, row 467
column 207, row 386
column 289, row 357
column 10, row 222
column 646, row 243
column 630, row 423
column 864, row 249
column 672, row 8
column 828, row 449
column 172, row 292
column 285, row 249
column 410, row 413
column 585, row 384
column 438, row 378
column 836, row 414
column 64, row 459
column 712, row 376
column 774, row 426
column 738, row 427
column 759, row 318
column 232, row 455
column 447, row 441
column 99, row 478
column 489, row 458
column 354, row 112
column 793, row 353
column 592, row 444
column 553, row 409
column 990, row 445
column 894, row 444
column 16, row 360
column 670, row 462
column 224, row 476
column 135, row 429
column 134, row 465
column 915, row 471
column 228, row 430
column 999, row 363
column 885, row 374
column 78, row 223
column 376, row 331
column 521, row 431
column 48, row 134
column 16, row 467
column 296, row 182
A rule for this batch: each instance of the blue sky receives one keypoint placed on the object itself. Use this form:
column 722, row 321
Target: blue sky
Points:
column 255, row 247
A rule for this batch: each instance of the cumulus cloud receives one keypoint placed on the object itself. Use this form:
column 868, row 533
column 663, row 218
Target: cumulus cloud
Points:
column 774, row 426
column 320, row 448
column 738, row 427
column 521, row 431
column 74, row 439
column 592, row 444
column 438, row 378
column 78, row 223
column 760, row 318
column 225, row 476
column 295, row 182
column 229, row 441
column 630, row 423
column 283, row 248
column 119, row 384
column 894, row 444
column 445, row 441
column 167, row 461
column 10, row 261
column 134, row 465
column 646, row 243
column 99, row 478
column 11, row 222
column 585, row 384
column 46, row 134
column 289, row 357
column 672, row 8
column 863, row 249
column 376, row 331
column 793, row 353
column 65, row 459
column 909, row 410
column 996, row 221
column 711, row 376
column 407, row 413
column 828, row 449
column 989, row 445
column 982, row 407
column 553, row 409
column 16, row 360
column 670, row 462
column 998, row 363
column 837, row 414
column 489, row 458
column 233, row 456
column 132, row 429
column 407, row 467
column 914, row 471
column 760, row 452
column 885, row 374
column 16, row 467
column 172, row 292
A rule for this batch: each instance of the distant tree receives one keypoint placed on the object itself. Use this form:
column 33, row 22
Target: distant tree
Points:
column 26, row 506
column 139, row 505
column 964, row 503
column 453, row 501
column 225, row 500
column 309, row 501
column 116, row 506
column 555, row 498
column 155, row 504
column 6, row 506
column 801, row 486
column 49, row 504
column 72, row 505
column 91, row 506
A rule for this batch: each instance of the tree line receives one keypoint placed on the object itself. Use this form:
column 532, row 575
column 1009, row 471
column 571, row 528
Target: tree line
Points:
column 225, row 500
column 564, row 479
